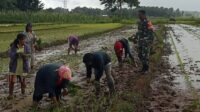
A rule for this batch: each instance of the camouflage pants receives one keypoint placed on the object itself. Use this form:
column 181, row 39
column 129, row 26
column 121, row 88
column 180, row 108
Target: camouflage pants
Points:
column 143, row 54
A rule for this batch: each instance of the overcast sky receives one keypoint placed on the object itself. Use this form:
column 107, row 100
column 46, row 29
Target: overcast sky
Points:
column 187, row 5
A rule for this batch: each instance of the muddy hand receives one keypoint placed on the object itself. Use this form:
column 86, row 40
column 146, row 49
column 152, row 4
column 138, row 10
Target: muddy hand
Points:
column 135, row 64
column 65, row 92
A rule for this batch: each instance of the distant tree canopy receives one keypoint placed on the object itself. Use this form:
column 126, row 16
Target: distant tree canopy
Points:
column 88, row 11
column 161, row 11
column 23, row 5
column 7, row 4
column 125, row 13
column 33, row 5
column 117, row 4
column 122, row 9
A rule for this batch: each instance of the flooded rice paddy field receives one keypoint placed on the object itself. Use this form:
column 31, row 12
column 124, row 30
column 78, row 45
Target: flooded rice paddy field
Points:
column 177, row 85
column 58, row 54
column 173, row 89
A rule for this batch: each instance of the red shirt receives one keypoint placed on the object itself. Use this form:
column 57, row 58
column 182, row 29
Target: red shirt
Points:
column 118, row 48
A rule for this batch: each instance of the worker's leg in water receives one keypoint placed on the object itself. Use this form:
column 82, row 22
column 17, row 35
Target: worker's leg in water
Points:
column 70, row 48
column 32, row 62
column 23, row 84
column 58, row 94
column 36, row 98
column 54, row 99
column 12, row 80
column 110, row 80
column 76, row 48
column 97, row 81
column 119, row 58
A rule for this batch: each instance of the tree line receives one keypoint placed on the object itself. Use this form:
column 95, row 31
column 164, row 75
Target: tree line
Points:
column 113, row 8
column 125, row 13
column 22, row 5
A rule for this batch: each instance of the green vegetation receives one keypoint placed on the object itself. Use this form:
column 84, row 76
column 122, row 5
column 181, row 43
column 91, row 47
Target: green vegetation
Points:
column 117, row 4
column 50, row 17
column 53, row 34
column 82, row 15
column 23, row 5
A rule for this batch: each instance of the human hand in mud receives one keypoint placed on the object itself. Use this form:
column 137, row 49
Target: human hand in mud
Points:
column 65, row 92
column 132, row 36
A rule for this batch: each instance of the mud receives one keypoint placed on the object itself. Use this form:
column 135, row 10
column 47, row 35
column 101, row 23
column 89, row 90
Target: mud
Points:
column 167, row 95
column 58, row 54
column 168, row 92
column 172, row 90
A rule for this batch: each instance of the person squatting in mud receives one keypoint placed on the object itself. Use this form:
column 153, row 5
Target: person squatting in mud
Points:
column 144, row 37
column 31, row 41
column 19, row 54
column 73, row 43
column 120, row 46
column 100, row 62
column 52, row 79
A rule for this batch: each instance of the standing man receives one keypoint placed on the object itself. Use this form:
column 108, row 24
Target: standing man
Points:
column 145, row 38
column 100, row 62
column 30, row 40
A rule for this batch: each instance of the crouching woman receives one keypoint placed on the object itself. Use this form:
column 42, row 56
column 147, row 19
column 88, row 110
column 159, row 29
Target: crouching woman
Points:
column 52, row 79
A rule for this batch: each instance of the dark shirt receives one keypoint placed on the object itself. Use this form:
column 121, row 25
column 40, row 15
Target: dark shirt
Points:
column 46, row 80
column 100, row 60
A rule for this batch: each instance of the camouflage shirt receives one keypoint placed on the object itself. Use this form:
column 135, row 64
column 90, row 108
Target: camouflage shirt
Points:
column 145, row 32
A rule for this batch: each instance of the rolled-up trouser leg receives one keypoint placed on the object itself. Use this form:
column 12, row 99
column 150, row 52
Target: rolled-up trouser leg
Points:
column 120, row 61
column 37, row 98
column 109, row 78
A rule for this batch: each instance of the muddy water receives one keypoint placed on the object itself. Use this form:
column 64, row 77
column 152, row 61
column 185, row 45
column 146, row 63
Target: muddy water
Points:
column 173, row 90
column 53, row 54
column 188, row 45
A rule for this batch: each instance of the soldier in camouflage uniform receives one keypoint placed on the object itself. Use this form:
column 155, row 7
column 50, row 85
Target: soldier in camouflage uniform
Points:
column 144, row 38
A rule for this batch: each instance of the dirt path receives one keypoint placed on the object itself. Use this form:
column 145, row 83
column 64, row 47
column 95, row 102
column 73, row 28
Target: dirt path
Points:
column 58, row 54
column 176, row 87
